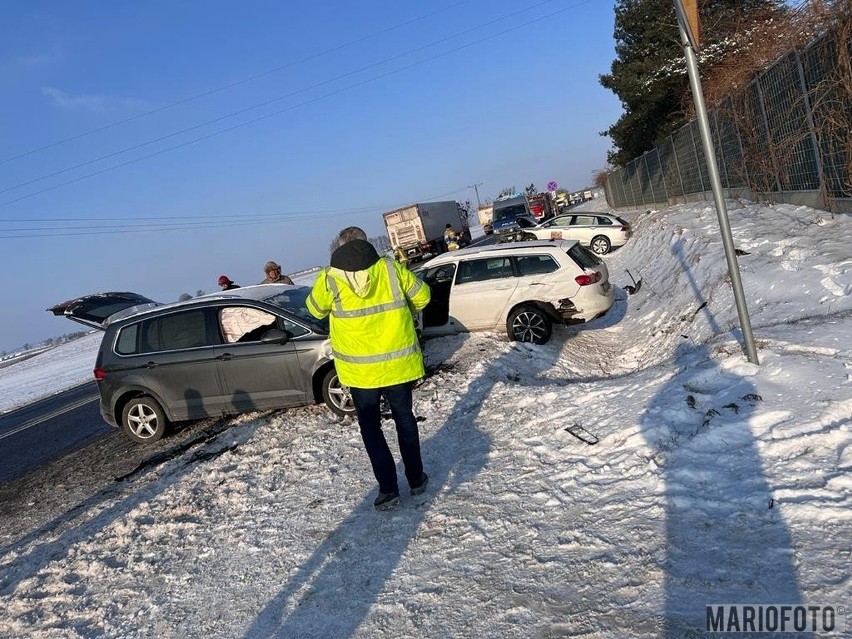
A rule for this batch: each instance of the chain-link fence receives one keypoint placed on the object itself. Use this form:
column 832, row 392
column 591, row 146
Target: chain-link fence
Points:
column 786, row 137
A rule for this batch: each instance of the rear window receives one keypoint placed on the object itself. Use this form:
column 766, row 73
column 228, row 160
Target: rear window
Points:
column 584, row 257
column 622, row 221
column 127, row 342
column 536, row 264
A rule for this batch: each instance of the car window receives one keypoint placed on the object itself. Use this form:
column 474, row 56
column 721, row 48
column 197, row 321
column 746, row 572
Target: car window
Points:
column 525, row 223
column 536, row 264
column 443, row 273
column 175, row 331
column 584, row 257
column 244, row 324
column 561, row 221
column 621, row 221
column 486, row 269
column 293, row 301
column 605, row 221
column 127, row 342
column 583, row 220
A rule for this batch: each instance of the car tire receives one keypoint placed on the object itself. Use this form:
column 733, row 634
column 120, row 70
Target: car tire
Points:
column 529, row 323
column 143, row 420
column 600, row 245
column 337, row 396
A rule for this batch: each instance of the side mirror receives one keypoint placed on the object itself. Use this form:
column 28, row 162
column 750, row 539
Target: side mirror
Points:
column 275, row 336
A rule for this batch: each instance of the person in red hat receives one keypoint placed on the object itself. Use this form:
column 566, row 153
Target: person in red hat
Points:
column 226, row 283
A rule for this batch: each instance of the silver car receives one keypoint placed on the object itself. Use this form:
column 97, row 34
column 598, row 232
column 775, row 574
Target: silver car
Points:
column 252, row 348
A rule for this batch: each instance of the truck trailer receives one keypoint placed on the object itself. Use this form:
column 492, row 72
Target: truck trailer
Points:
column 417, row 230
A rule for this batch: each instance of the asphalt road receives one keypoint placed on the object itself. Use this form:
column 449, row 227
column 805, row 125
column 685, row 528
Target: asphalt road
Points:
column 48, row 429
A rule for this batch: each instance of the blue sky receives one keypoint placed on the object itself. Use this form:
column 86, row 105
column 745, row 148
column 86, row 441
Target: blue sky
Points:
column 265, row 127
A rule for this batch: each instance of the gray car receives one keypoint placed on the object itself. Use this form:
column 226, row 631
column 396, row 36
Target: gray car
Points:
column 252, row 348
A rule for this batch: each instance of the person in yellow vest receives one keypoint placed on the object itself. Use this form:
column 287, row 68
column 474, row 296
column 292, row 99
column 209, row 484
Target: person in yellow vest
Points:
column 371, row 301
column 451, row 238
column 400, row 256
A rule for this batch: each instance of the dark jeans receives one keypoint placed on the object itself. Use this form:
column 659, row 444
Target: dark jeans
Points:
column 368, row 408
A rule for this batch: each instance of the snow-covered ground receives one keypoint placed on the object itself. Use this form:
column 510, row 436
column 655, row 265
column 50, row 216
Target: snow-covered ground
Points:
column 714, row 480
column 51, row 371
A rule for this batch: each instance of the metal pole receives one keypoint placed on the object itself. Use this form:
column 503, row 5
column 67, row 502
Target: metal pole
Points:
column 475, row 187
column 713, row 172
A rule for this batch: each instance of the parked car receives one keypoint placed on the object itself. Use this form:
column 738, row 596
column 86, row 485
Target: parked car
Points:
column 601, row 232
column 252, row 348
column 522, row 288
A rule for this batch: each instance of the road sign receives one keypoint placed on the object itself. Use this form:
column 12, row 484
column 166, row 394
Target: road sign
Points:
column 552, row 186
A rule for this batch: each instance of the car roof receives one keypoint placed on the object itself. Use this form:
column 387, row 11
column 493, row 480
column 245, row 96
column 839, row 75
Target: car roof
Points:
column 99, row 310
column 512, row 248
column 253, row 292
column 256, row 292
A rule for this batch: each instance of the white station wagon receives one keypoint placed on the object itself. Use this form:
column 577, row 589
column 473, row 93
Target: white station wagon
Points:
column 524, row 287
column 601, row 232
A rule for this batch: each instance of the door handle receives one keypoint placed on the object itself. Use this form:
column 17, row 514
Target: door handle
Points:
column 151, row 365
column 225, row 357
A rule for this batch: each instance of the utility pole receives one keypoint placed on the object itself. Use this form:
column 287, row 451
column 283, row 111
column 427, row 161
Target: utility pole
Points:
column 475, row 187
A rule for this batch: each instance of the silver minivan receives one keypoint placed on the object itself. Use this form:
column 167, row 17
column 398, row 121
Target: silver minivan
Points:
column 252, row 348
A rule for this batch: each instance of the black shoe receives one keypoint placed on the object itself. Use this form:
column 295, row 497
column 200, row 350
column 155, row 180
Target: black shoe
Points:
column 386, row 501
column 421, row 487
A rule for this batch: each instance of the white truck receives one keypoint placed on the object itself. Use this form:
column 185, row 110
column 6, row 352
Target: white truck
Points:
column 417, row 230
column 486, row 213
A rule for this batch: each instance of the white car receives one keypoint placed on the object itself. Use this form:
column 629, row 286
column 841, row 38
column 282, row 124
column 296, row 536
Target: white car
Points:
column 601, row 232
column 522, row 287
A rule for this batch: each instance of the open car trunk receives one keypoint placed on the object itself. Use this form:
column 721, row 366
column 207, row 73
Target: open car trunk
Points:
column 99, row 309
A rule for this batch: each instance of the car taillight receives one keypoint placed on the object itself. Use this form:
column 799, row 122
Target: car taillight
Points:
column 99, row 374
column 586, row 279
column 537, row 210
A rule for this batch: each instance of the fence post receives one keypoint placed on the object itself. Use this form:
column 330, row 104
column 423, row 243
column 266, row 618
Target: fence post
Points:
column 630, row 184
column 743, row 162
column 809, row 117
column 662, row 174
column 721, row 148
column 677, row 167
column 648, row 174
column 695, row 153
column 762, row 103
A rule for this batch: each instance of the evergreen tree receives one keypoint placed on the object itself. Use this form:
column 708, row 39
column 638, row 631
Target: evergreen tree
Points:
column 649, row 72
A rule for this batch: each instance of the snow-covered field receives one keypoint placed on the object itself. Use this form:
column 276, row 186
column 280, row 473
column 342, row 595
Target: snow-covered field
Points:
column 714, row 480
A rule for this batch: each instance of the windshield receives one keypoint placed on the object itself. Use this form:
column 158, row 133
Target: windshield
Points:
column 293, row 301
column 510, row 212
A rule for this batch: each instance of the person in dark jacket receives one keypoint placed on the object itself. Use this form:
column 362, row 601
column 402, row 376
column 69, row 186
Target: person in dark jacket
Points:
column 226, row 284
column 274, row 275
column 371, row 300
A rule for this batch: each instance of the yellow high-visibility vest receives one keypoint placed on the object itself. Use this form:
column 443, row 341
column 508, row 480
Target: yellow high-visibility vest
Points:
column 373, row 338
